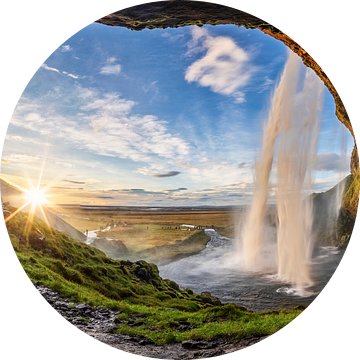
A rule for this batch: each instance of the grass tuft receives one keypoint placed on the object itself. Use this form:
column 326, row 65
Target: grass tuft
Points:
column 167, row 313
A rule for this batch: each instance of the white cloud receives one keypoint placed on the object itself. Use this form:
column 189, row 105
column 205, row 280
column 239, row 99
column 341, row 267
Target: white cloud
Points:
column 65, row 48
column 44, row 66
column 70, row 75
column 64, row 164
column 85, row 93
column 324, row 184
column 151, row 87
column 266, row 85
column 14, row 137
column 107, row 127
column 111, row 68
column 225, row 68
column 22, row 139
column 184, row 164
column 110, row 104
column 171, row 36
column 332, row 162
column 23, row 158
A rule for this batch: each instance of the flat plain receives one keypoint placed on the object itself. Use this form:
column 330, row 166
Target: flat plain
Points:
column 153, row 235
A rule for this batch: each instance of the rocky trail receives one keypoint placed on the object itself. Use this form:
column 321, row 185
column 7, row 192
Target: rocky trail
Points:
column 102, row 324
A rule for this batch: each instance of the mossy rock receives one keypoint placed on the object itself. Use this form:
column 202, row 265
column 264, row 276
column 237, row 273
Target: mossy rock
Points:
column 172, row 284
column 156, row 281
column 242, row 308
column 189, row 291
column 344, row 242
column 163, row 296
column 125, row 263
column 171, row 294
column 300, row 307
column 185, row 294
column 207, row 298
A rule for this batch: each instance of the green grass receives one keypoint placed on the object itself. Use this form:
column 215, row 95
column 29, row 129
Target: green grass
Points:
column 228, row 321
column 194, row 243
column 85, row 275
column 147, row 234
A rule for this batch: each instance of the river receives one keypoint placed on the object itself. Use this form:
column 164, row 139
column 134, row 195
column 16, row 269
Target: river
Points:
column 91, row 236
column 211, row 270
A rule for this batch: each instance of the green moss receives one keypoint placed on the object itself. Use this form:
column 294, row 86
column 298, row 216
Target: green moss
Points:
column 172, row 284
column 86, row 275
column 351, row 198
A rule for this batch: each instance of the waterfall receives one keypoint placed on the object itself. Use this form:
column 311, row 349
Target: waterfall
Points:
column 292, row 129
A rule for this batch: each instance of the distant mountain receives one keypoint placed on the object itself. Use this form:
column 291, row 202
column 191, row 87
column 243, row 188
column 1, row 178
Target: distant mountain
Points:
column 11, row 193
column 15, row 197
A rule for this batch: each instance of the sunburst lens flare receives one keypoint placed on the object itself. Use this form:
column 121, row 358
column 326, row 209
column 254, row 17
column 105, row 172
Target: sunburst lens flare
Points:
column 36, row 196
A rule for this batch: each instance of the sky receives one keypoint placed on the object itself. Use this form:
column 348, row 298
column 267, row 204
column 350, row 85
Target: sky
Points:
column 163, row 117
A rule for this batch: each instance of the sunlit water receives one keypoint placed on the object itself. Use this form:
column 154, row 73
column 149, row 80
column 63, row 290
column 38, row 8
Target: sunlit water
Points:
column 91, row 236
column 211, row 270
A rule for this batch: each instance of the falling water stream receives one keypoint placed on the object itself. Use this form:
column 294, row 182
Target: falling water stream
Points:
column 271, row 267
column 293, row 128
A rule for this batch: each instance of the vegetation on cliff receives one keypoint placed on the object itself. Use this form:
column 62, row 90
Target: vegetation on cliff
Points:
column 351, row 197
column 84, row 274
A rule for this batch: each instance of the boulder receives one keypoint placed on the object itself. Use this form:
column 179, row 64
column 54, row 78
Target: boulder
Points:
column 207, row 298
column 84, row 309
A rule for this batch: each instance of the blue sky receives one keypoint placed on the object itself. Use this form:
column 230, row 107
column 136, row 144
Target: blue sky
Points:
column 156, row 117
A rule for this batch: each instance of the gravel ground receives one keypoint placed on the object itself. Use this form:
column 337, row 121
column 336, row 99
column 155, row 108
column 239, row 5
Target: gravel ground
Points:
column 102, row 323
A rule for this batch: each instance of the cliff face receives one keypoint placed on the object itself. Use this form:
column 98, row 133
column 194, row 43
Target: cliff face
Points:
column 177, row 13
column 114, row 249
column 329, row 226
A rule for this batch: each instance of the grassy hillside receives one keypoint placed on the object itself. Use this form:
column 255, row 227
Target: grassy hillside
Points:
column 15, row 196
column 84, row 274
column 164, row 254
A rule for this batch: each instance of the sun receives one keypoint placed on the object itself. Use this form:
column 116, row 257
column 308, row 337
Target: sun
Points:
column 36, row 196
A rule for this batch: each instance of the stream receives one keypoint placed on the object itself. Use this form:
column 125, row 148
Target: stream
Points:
column 210, row 270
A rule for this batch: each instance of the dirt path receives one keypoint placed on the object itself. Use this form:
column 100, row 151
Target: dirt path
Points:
column 102, row 323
